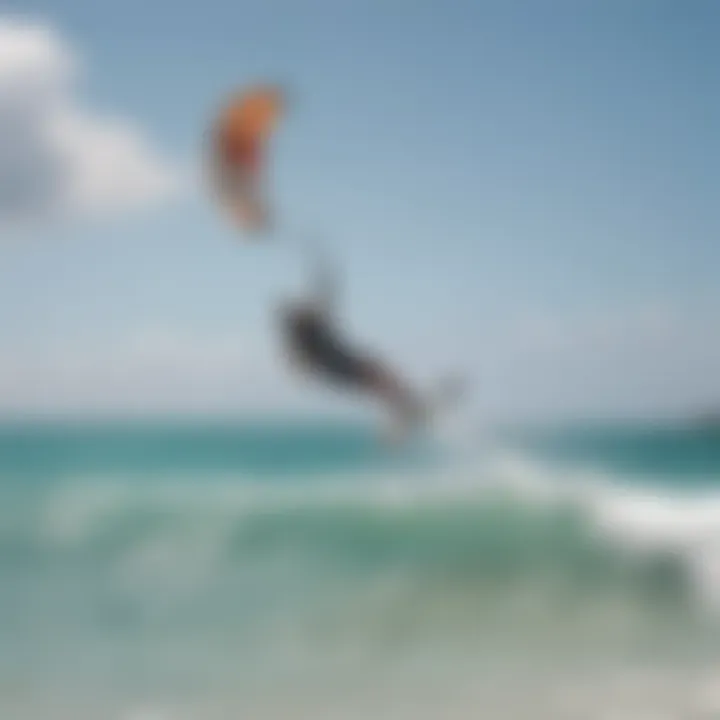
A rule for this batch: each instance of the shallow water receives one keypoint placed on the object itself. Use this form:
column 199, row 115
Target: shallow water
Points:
column 212, row 571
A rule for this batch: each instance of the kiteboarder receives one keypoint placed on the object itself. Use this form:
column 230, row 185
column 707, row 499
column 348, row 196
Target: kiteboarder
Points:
column 316, row 345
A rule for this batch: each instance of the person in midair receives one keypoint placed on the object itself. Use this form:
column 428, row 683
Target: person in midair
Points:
column 316, row 345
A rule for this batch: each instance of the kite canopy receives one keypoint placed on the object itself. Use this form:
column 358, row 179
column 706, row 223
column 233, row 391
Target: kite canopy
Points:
column 239, row 139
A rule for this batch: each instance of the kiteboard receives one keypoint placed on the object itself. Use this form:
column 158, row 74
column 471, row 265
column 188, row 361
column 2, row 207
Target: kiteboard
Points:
column 447, row 395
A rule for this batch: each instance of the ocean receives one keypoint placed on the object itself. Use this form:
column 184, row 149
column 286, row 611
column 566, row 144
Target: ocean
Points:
column 206, row 570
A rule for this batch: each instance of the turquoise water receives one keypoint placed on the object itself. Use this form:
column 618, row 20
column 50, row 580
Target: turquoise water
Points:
column 216, row 570
column 660, row 453
column 268, row 450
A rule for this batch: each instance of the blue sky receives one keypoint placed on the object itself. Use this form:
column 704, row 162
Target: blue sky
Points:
column 523, row 189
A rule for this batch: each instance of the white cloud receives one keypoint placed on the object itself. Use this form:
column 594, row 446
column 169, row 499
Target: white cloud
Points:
column 58, row 158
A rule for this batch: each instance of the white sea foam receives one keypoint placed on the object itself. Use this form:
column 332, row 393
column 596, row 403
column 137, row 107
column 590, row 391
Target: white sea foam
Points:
column 195, row 518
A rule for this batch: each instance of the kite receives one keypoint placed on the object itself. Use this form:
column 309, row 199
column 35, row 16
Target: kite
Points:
column 239, row 140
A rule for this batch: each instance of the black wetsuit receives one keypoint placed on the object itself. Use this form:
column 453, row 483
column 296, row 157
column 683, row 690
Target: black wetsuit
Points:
column 311, row 337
